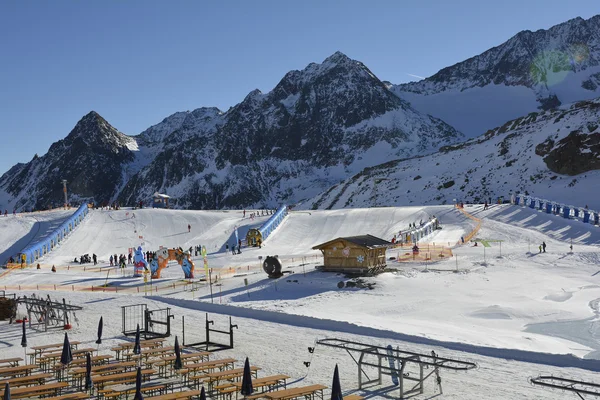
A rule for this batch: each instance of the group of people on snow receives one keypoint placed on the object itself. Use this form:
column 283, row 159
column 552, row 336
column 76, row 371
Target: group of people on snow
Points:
column 84, row 259
column 259, row 213
column 233, row 247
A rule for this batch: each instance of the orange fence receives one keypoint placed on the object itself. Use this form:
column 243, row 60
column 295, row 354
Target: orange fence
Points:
column 475, row 230
column 427, row 252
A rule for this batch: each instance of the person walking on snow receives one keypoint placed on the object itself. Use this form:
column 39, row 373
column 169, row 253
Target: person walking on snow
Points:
column 540, row 248
column 544, row 246
column 111, row 260
column 189, row 228
column 244, row 213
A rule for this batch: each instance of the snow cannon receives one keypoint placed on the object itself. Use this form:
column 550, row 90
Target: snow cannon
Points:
column 272, row 267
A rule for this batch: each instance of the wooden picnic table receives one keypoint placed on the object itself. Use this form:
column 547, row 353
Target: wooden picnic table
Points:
column 353, row 397
column 60, row 369
column 310, row 391
column 165, row 362
column 12, row 362
column 36, row 391
column 35, row 379
column 78, row 374
column 38, row 350
column 117, row 392
column 266, row 381
column 187, row 394
column 46, row 361
column 231, row 374
column 149, row 343
column 18, row 371
column 106, row 380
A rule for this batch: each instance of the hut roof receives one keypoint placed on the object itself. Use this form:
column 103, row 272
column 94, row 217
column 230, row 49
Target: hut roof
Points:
column 367, row 241
column 160, row 195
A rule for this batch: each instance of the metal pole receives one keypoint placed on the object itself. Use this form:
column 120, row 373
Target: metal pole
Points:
column 210, row 284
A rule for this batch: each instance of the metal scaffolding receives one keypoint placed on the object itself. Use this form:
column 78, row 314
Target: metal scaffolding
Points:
column 45, row 313
column 410, row 372
column 571, row 385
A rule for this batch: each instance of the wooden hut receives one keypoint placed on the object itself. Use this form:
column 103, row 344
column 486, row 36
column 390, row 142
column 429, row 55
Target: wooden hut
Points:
column 357, row 254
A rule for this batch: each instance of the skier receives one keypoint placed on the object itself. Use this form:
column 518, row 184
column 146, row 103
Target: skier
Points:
column 227, row 247
column 111, row 260
column 189, row 228
column 544, row 246
column 233, row 249
column 95, row 258
column 540, row 248
column 129, row 257
column 244, row 213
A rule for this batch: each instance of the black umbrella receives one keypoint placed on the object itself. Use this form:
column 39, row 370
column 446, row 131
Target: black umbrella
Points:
column 336, row 388
column 66, row 356
column 247, row 388
column 138, row 385
column 88, row 371
column 137, row 348
column 178, row 364
column 6, row 392
column 100, row 325
column 24, row 340
column 202, row 394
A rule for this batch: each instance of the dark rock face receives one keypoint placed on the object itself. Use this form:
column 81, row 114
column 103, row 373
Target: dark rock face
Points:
column 575, row 154
column 90, row 158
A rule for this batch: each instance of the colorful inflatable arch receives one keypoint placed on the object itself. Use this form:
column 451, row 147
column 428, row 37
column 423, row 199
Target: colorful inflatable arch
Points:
column 163, row 256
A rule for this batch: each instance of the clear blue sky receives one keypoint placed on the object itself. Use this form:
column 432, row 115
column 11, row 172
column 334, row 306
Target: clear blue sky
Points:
column 136, row 62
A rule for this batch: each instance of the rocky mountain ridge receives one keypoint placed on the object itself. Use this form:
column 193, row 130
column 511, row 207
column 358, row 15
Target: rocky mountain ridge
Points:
column 316, row 127
column 532, row 71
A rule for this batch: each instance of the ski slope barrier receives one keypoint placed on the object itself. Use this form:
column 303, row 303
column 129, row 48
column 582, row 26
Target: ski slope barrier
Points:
column 36, row 250
column 272, row 223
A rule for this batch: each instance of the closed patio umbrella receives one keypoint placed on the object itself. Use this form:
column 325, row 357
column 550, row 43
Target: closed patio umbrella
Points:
column 66, row 356
column 202, row 394
column 137, row 348
column 247, row 388
column 88, row 371
column 138, row 385
column 6, row 395
column 24, row 340
column 336, row 387
column 100, row 326
column 177, row 364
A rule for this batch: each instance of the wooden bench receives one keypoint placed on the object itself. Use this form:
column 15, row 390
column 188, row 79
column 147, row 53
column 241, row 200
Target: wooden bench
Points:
column 269, row 382
column 107, row 380
column 78, row 374
column 187, row 394
column 353, row 397
column 113, row 393
column 303, row 391
column 149, row 343
column 70, row 396
column 230, row 374
column 36, row 379
column 39, row 350
column 52, row 389
column 165, row 362
column 21, row 370
column 11, row 362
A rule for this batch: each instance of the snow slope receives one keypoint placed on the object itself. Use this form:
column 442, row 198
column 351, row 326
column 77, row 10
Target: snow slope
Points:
column 504, row 306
